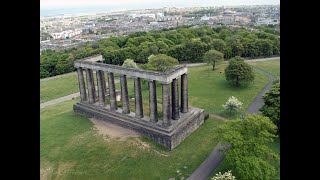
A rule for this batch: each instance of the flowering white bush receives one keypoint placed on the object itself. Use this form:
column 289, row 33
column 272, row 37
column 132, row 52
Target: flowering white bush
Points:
column 224, row 176
column 233, row 104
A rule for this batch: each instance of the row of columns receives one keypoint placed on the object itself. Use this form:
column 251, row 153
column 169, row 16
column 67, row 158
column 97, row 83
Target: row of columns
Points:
column 170, row 111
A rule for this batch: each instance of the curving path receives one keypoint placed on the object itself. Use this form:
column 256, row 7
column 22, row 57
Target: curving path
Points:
column 258, row 101
column 204, row 171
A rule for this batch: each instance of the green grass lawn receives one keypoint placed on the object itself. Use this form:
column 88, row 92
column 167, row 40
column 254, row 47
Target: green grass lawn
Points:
column 70, row 148
column 272, row 66
column 209, row 89
column 55, row 88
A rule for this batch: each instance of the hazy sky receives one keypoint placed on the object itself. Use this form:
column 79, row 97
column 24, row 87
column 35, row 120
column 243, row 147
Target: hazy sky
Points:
column 151, row 3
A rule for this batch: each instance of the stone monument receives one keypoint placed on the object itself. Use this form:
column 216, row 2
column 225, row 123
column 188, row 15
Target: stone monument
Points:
column 178, row 120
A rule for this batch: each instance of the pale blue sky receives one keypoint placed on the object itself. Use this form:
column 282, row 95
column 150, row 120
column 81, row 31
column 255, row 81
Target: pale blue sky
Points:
column 126, row 4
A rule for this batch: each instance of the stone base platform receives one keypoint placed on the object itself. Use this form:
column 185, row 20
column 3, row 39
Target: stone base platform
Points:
column 169, row 136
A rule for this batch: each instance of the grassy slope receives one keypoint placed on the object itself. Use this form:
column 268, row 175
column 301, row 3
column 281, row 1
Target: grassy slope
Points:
column 55, row 88
column 209, row 89
column 70, row 147
column 272, row 66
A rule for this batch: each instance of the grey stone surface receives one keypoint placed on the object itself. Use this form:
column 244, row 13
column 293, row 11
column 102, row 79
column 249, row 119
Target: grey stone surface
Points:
column 124, row 95
column 138, row 98
column 104, row 82
column 82, row 85
column 175, row 99
column 112, row 89
column 101, row 91
column 166, row 108
column 153, row 101
column 137, row 73
column 184, row 93
column 91, row 86
column 175, row 125
column 169, row 137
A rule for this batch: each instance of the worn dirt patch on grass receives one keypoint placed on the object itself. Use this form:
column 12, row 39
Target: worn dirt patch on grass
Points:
column 113, row 131
column 45, row 171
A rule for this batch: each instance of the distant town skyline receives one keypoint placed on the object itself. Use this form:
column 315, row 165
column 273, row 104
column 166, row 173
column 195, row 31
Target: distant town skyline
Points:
column 127, row 4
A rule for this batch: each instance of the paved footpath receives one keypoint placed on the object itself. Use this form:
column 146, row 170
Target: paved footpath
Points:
column 204, row 171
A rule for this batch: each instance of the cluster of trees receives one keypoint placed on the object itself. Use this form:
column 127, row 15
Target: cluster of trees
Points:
column 250, row 157
column 184, row 44
column 271, row 106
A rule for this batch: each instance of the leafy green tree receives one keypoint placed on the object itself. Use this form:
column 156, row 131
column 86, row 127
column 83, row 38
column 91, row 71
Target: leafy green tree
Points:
column 129, row 63
column 212, row 57
column 44, row 73
column 265, row 47
column 235, row 43
column 218, row 45
column 271, row 106
column 238, row 72
column 65, row 65
column 250, row 50
column 162, row 62
column 194, row 50
column 250, row 157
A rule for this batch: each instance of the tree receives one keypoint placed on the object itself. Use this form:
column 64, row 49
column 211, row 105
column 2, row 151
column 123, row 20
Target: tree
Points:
column 233, row 104
column 235, row 43
column 212, row 57
column 265, row 47
column 271, row 106
column 238, row 72
column 225, row 176
column 129, row 63
column 162, row 62
column 218, row 45
column 250, row 157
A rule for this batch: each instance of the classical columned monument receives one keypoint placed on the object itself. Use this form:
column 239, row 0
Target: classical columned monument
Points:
column 178, row 119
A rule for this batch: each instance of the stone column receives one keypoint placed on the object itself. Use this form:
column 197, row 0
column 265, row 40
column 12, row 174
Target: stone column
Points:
column 91, row 86
column 153, row 101
column 112, row 89
column 82, row 85
column 138, row 98
column 184, row 93
column 124, row 95
column 166, row 109
column 175, row 99
column 104, row 82
column 101, row 92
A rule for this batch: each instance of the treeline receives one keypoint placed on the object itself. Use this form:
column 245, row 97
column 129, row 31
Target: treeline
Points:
column 184, row 44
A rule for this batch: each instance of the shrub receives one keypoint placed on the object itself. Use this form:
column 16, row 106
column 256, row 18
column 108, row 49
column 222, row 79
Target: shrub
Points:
column 225, row 176
column 232, row 105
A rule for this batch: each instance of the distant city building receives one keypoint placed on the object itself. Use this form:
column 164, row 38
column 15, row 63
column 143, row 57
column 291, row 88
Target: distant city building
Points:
column 264, row 21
